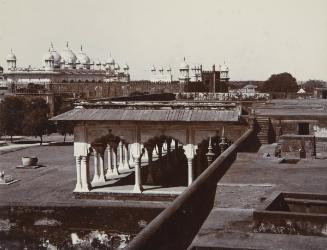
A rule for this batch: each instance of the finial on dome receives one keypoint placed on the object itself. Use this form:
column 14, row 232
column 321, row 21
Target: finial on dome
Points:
column 81, row 48
column 67, row 45
column 51, row 44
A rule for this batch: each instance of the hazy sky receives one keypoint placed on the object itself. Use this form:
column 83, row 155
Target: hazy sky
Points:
column 255, row 37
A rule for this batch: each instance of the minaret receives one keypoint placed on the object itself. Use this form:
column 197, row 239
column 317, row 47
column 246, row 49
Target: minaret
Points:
column 49, row 61
column 184, row 75
column 11, row 61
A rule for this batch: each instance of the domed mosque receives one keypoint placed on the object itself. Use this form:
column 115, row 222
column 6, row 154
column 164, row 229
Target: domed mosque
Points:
column 69, row 58
column 66, row 67
column 83, row 61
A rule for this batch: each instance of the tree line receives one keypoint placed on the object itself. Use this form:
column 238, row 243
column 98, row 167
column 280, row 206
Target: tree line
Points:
column 280, row 83
column 20, row 116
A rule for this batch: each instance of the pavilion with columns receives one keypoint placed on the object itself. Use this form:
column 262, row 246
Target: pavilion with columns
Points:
column 116, row 143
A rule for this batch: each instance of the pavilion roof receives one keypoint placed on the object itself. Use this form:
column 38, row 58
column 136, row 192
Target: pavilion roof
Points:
column 82, row 114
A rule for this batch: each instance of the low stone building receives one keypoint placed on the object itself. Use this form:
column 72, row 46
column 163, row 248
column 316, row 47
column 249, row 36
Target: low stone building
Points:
column 303, row 121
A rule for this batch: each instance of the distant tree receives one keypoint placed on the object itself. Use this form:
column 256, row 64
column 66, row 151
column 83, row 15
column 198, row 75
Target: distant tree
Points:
column 36, row 122
column 283, row 82
column 64, row 128
column 12, row 113
column 310, row 85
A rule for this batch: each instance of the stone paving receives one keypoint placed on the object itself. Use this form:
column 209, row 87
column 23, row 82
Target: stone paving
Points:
column 247, row 184
column 54, row 182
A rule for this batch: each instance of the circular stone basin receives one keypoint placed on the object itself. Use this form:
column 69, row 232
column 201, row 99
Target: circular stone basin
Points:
column 29, row 160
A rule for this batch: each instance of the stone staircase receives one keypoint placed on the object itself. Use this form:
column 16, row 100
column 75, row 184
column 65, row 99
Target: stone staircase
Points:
column 263, row 124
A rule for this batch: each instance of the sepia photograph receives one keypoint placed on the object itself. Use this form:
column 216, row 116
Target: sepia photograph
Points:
column 163, row 124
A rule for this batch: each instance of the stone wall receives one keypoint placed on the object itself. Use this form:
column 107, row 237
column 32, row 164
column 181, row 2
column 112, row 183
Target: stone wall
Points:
column 291, row 145
column 321, row 147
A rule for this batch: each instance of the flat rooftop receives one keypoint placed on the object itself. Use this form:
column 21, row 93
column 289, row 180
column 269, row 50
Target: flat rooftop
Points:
column 152, row 115
column 250, row 181
column 307, row 108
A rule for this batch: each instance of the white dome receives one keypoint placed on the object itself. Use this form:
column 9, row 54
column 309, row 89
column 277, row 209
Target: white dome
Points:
column 11, row 56
column 111, row 60
column 83, row 58
column 48, row 57
column 224, row 67
column 56, row 56
column 184, row 65
column 153, row 68
column 68, row 56
column 125, row 66
column 117, row 67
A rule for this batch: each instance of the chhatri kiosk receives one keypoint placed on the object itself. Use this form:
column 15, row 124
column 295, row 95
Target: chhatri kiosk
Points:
column 156, row 145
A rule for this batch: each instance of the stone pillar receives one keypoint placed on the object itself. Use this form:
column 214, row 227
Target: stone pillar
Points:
column 149, row 178
column 96, row 167
column 101, row 167
column 168, row 163
column 78, row 187
column 114, row 161
column 126, row 164
column 164, row 147
column 189, row 152
column 84, row 174
column 112, row 170
column 137, row 156
column 120, row 154
column 109, row 169
column 131, row 159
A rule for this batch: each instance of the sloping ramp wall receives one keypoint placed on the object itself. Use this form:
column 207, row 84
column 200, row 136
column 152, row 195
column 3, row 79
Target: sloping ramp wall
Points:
column 177, row 225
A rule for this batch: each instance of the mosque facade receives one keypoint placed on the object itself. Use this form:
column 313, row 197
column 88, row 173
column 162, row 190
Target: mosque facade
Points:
column 66, row 67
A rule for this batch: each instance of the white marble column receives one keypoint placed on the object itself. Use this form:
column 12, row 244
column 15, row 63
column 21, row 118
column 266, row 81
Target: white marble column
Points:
column 114, row 161
column 164, row 148
column 78, row 187
column 96, row 167
column 120, row 156
column 112, row 170
column 101, row 167
column 189, row 152
column 131, row 158
column 136, row 148
column 84, row 174
column 126, row 156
